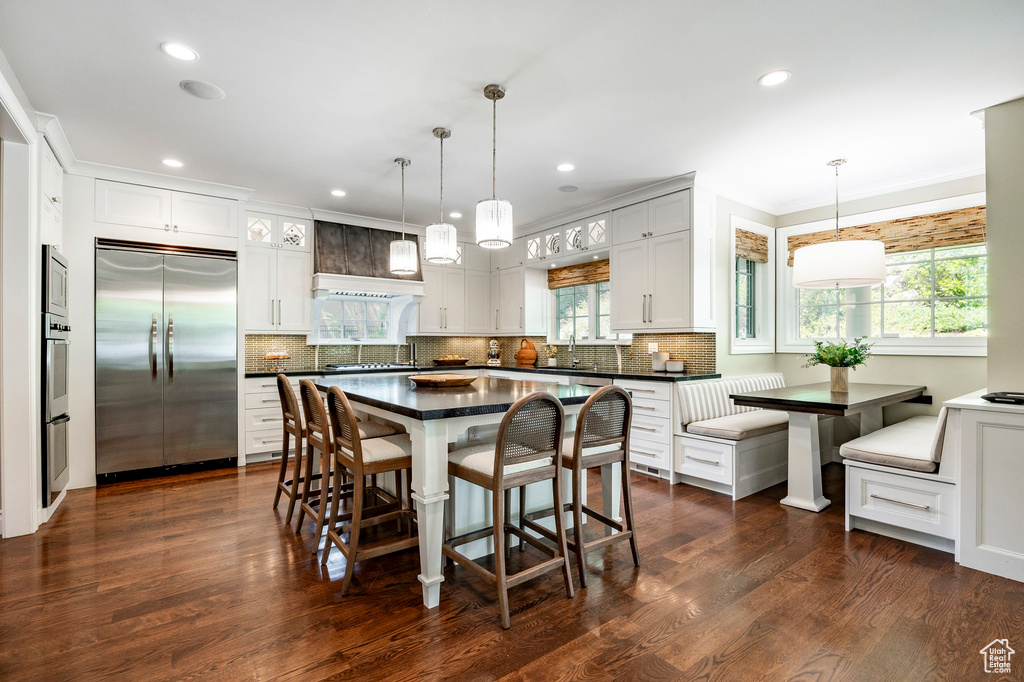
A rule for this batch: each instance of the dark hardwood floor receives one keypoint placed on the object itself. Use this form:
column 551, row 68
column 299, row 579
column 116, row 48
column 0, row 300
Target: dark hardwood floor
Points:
column 196, row 577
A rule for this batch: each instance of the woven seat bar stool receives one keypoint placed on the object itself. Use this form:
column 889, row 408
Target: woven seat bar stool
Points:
column 316, row 501
column 527, row 450
column 366, row 457
column 294, row 427
column 602, row 437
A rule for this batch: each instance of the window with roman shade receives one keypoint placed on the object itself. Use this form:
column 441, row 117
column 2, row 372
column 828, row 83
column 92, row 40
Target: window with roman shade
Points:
column 752, row 291
column 582, row 303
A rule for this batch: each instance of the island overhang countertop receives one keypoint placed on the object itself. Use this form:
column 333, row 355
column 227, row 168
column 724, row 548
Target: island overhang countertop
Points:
column 486, row 395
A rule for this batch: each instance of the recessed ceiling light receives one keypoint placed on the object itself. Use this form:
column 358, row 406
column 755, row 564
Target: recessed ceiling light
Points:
column 202, row 89
column 338, row 192
column 594, row 257
column 568, row 188
column 566, row 167
column 774, row 78
column 173, row 163
column 454, row 214
column 179, row 51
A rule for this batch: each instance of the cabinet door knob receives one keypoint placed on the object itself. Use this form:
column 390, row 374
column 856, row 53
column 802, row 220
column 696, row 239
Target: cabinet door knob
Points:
column 56, row 200
column 175, row 228
column 167, row 227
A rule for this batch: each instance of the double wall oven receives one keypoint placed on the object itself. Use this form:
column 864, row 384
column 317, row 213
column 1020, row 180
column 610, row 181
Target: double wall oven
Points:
column 56, row 337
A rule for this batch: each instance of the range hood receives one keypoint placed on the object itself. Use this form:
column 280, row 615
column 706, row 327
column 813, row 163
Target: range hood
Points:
column 326, row 285
column 351, row 260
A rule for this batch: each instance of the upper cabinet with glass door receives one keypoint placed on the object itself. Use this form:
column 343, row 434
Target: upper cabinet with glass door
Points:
column 277, row 232
column 568, row 240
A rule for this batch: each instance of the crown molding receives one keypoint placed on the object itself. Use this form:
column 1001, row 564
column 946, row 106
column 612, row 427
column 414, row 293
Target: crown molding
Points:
column 49, row 126
column 101, row 171
column 279, row 209
column 365, row 221
column 635, row 196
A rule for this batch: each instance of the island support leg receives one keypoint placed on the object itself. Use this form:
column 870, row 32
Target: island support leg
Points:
column 430, row 490
column 804, row 464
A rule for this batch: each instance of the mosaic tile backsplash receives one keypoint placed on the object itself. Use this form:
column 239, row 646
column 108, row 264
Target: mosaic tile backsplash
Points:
column 696, row 350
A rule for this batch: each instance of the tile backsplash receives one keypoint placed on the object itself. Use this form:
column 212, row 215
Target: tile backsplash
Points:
column 696, row 350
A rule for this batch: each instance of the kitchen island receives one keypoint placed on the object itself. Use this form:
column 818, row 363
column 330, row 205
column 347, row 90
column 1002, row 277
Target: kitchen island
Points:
column 435, row 417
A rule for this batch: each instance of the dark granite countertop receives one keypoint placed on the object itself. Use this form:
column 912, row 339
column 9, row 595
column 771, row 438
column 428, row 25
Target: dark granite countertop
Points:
column 819, row 398
column 647, row 375
column 486, row 395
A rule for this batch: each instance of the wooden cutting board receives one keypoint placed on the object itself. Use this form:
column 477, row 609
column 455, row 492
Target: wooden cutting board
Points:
column 442, row 380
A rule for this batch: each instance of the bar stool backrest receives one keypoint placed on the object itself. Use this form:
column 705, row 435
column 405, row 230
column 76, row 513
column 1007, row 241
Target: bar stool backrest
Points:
column 530, row 430
column 317, row 427
column 293, row 420
column 343, row 424
column 604, row 420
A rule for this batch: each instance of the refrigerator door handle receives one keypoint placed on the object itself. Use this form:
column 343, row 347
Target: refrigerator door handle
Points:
column 170, row 347
column 152, row 347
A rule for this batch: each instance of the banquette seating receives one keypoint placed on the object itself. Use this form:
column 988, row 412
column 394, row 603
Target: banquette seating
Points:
column 733, row 450
column 899, row 484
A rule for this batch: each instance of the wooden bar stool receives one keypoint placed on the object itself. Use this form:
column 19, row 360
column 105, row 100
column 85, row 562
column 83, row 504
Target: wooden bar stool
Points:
column 364, row 457
column 315, row 502
column 527, row 451
column 602, row 437
column 294, row 426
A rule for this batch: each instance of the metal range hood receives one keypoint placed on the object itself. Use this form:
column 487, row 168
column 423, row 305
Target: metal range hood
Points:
column 351, row 260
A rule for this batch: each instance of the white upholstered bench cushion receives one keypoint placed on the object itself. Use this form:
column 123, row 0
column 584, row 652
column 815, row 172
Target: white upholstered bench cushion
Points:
column 914, row 444
column 741, row 426
column 480, row 458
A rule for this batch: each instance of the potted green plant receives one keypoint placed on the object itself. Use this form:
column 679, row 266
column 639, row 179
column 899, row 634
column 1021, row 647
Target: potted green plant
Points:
column 840, row 357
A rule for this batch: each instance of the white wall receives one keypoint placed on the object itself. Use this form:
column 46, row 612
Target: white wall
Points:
column 1004, row 165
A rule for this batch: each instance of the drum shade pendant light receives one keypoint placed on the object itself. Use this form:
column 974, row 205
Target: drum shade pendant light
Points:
column 841, row 264
column 442, row 238
column 403, row 251
column 494, row 216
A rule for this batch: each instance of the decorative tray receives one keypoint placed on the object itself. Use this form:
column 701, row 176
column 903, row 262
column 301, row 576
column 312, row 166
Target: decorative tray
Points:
column 442, row 380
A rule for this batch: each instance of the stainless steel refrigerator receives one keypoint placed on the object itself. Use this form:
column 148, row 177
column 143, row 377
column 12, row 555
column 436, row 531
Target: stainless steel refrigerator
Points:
column 166, row 358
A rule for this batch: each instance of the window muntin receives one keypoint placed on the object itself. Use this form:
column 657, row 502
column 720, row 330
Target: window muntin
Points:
column 746, row 299
column 933, row 293
column 584, row 312
column 354, row 319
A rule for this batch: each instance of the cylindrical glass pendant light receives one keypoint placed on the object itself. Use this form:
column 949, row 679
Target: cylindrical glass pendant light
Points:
column 442, row 238
column 494, row 216
column 403, row 251
column 841, row 264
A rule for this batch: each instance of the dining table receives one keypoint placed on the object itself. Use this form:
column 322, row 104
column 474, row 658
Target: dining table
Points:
column 805, row 404
column 437, row 416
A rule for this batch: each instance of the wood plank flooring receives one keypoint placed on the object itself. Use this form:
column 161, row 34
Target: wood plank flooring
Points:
column 196, row 577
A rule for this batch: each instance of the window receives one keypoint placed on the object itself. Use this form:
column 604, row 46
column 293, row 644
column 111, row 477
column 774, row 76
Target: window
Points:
column 929, row 294
column 585, row 312
column 354, row 319
column 746, row 297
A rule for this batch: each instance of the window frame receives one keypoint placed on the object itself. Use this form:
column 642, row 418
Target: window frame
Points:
column 593, row 317
column 392, row 321
column 764, row 286
column 788, row 301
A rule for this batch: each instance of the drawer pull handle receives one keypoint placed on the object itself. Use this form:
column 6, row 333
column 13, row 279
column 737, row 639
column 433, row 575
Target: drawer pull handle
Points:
column 641, row 452
column 643, row 390
column 644, row 428
column 271, row 400
column 704, row 461
column 905, row 504
column 644, row 407
column 271, row 419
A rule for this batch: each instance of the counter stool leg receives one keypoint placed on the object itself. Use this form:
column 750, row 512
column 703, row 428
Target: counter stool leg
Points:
column 627, row 503
column 281, row 477
column 556, row 492
column 296, row 477
column 577, row 527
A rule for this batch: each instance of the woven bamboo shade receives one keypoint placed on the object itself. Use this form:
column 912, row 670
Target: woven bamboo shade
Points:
column 752, row 246
column 594, row 272
column 951, row 228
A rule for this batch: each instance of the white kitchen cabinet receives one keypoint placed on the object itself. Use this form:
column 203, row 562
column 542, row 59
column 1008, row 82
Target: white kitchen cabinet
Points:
column 509, row 257
column 568, row 240
column 476, row 257
column 278, row 277
column 139, row 206
column 479, row 315
column 545, row 245
column 523, row 299
column 51, row 178
column 51, row 228
column 446, row 302
column 662, row 271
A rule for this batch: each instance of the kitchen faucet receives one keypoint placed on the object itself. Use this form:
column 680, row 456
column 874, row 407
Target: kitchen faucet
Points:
column 572, row 351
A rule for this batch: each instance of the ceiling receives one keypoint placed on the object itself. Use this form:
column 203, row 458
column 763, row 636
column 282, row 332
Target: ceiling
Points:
column 323, row 94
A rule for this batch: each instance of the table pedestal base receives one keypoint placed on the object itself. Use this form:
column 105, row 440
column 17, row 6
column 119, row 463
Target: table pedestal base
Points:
column 804, row 464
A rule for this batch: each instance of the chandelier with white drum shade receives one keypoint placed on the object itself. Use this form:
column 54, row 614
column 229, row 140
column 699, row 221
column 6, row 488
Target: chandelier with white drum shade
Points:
column 442, row 238
column 403, row 251
column 840, row 264
column 494, row 215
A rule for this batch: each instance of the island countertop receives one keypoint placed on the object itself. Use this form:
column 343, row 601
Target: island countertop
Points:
column 487, row 395
column 636, row 375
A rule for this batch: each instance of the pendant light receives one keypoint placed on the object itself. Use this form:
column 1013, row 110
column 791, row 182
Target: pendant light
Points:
column 442, row 238
column 494, row 216
column 403, row 251
column 841, row 264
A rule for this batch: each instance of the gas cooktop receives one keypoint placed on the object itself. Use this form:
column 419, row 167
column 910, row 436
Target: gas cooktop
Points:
column 368, row 365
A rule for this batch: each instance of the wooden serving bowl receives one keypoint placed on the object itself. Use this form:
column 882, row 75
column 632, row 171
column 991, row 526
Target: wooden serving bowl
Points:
column 442, row 380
